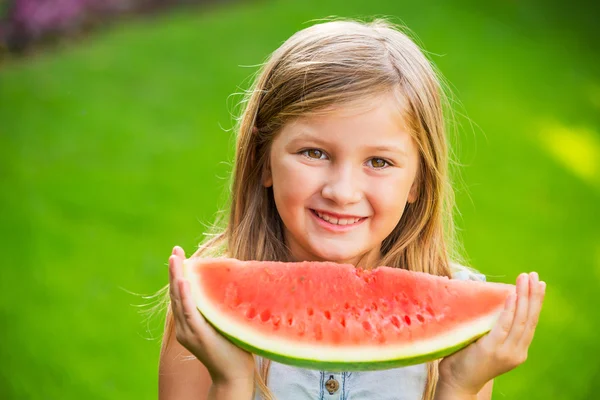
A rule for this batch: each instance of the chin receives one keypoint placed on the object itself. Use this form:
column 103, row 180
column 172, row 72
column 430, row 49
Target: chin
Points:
column 339, row 255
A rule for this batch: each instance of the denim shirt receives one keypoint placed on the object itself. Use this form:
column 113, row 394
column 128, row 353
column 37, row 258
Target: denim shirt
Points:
column 406, row 383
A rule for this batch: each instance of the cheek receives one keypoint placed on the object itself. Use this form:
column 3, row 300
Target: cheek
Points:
column 388, row 200
column 292, row 185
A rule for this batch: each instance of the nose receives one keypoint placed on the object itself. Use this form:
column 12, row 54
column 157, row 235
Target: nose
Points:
column 342, row 186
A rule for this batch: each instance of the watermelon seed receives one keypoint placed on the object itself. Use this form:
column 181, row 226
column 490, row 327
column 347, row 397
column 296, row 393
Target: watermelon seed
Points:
column 374, row 307
column 310, row 312
column 420, row 318
column 327, row 315
column 367, row 326
column 290, row 319
column 407, row 319
column 251, row 313
column 395, row 321
column 276, row 321
column 347, row 306
column 343, row 321
column 430, row 311
column 265, row 315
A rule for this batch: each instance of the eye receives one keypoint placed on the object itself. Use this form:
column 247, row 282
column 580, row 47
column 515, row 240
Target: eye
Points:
column 378, row 163
column 314, row 153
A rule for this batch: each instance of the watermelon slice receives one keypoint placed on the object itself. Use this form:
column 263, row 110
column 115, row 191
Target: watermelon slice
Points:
column 336, row 317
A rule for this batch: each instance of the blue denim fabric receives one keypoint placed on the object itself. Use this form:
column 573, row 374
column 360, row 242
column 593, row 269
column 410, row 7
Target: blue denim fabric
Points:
column 407, row 383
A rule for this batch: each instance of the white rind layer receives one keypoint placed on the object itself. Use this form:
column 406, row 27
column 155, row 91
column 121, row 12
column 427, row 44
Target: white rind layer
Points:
column 325, row 352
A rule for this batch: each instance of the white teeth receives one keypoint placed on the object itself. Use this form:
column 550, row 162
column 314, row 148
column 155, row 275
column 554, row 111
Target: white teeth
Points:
column 336, row 221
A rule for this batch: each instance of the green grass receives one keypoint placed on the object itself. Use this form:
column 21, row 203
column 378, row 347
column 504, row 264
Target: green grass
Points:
column 112, row 150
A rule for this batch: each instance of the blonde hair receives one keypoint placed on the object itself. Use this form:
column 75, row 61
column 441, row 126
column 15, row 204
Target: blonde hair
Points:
column 323, row 66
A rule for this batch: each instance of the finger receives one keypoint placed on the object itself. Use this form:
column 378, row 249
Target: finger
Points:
column 174, row 275
column 538, row 292
column 179, row 252
column 500, row 331
column 520, row 320
column 174, row 291
column 190, row 312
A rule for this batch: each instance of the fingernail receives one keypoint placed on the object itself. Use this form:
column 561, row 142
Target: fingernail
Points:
column 523, row 277
column 535, row 276
column 543, row 285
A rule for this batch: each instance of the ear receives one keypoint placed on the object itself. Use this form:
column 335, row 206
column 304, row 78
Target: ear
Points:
column 412, row 194
column 267, row 176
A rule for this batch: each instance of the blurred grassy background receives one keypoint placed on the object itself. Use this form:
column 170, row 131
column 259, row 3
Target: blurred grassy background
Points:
column 114, row 148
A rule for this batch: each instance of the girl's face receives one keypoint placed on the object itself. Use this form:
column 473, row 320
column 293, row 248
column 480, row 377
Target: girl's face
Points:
column 341, row 181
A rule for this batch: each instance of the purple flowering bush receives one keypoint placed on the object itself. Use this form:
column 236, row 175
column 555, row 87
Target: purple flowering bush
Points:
column 26, row 22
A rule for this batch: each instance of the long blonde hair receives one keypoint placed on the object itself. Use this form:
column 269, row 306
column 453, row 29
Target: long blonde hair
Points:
column 325, row 65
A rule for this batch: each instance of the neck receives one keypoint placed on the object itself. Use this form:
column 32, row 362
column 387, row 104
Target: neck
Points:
column 370, row 259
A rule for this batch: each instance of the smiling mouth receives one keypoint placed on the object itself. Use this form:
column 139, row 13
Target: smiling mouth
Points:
column 341, row 221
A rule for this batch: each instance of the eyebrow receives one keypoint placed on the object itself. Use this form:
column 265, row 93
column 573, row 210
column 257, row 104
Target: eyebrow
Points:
column 390, row 148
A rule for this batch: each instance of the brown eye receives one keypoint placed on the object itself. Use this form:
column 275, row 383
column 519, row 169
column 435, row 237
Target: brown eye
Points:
column 378, row 163
column 314, row 153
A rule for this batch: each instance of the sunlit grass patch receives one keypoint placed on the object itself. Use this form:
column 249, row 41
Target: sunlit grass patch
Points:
column 576, row 148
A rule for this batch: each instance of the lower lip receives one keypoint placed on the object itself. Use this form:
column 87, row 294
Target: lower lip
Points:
column 333, row 227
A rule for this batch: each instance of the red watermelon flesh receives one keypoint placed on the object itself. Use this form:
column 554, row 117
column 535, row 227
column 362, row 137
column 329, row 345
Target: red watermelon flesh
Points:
column 337, row 317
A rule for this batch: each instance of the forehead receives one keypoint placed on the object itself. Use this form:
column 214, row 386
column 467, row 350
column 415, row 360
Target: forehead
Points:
column 374, row 121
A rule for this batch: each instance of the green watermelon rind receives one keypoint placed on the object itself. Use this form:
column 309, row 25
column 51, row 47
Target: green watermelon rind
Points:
column 339, row 366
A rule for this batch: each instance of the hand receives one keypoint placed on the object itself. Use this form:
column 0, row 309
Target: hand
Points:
column 504, row 347
column 225, row 362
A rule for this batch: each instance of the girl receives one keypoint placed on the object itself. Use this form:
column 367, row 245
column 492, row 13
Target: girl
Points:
column 341, row 156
